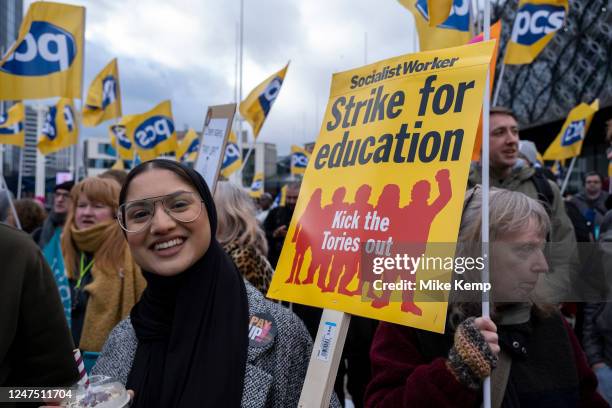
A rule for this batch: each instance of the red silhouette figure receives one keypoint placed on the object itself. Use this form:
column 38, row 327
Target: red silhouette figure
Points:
column 321, row 258
column 352, row 262
column 418, row 216
column 306, row 231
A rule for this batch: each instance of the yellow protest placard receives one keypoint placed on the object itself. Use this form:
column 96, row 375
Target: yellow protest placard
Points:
column 390, row 166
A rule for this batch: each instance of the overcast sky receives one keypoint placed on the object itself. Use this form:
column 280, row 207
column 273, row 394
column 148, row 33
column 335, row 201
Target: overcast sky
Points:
column 185, row 51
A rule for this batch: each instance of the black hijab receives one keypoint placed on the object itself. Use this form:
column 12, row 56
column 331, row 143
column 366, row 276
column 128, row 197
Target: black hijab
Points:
column 192, row 327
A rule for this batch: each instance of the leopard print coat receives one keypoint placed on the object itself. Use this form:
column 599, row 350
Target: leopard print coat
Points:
column 252, row 265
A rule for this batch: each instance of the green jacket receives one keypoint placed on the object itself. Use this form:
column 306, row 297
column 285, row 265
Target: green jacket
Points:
column 35, row 344
column 564, row 267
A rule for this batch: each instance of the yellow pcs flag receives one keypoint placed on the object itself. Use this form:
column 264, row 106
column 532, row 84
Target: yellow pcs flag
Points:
column 153, row 132
column 120, row 140
column 256, row 107
column 535, row 24
column 439, row 11
column 187, row 149
column 232, row 160
column 568, row 142
column 47, row 58
column 257, row 186
column 60, row 129
column 12, row 126
column 104, row 96
column 299, row 160
column 452, row 31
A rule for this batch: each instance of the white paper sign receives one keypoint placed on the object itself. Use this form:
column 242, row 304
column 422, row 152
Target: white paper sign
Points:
column 211, row 151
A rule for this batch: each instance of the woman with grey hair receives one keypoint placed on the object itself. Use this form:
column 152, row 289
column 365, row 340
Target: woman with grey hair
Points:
column 537, row 359
column 241, row 236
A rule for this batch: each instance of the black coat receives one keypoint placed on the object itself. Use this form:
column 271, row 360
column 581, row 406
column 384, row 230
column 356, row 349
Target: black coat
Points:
column 276, row 217
column 35, row 344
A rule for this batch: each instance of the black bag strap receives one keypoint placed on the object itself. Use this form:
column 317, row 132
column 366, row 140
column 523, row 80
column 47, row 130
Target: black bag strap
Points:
column 546, row 196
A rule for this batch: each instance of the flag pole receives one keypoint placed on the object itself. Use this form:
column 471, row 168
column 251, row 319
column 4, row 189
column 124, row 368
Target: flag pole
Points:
column 4, row 186
column 246, row 158
column 20, row 171
column 499, row 80
column 486, row 389
column 39, row 189
column 78, row 144
column 240, row 87
column 567, row 176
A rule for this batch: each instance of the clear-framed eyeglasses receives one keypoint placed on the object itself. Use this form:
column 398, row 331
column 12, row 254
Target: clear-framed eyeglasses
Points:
column 182, row 206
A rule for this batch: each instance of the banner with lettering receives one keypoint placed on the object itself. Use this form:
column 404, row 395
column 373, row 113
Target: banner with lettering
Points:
column 46, row 60
column 389, row 167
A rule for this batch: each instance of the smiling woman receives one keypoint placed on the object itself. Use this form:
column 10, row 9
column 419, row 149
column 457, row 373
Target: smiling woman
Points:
column 200, row 336
column 104, row 280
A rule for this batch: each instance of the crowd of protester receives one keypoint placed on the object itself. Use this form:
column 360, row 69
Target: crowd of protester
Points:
column 98, row 272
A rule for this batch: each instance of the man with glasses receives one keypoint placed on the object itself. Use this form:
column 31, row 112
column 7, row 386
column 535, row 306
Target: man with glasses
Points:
column 592, row 202
column 509, row 172
column 48, row 239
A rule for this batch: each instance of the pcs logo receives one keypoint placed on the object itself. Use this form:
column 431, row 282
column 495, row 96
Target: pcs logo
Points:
column 459, row 18
column 535, row 21
column 299, row 160
column 44, row 50
column 231, row 155
column 109, row 91
column 257, row 185
column 153, row 131
column 50, row 126
column 120, row 133
column 193, row 147
column 574, row 133
column 268, row 96
column 9, row 130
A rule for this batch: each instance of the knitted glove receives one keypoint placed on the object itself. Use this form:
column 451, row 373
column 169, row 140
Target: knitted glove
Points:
column 470, row 359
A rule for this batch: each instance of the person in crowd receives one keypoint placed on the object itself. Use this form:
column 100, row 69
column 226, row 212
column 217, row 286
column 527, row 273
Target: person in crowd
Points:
column 508, row 172
column 592, row 201
column 115, row 174
column 35, row 343
column 529, row 152
column 240, row 235
column 48, row 238
column 5, row 206
column 105, row 281
column 537, row 358
column 31, row 215
column 201, row 336
column 608, row 138
column 264, row 203
column 597, row 341
column 277, row 222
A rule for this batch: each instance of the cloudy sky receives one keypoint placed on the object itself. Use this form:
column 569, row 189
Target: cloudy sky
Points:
column 185, row 51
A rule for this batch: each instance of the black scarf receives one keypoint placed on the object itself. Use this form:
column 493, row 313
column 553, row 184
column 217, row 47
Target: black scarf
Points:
column 192, row 331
